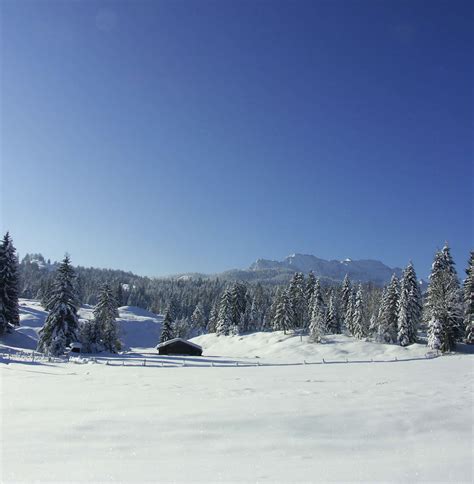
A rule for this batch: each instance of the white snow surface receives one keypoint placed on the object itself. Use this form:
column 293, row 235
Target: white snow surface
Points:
column 282, row 421
column 138, row 328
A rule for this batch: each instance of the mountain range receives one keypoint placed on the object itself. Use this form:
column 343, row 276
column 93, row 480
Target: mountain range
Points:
column 330, row 271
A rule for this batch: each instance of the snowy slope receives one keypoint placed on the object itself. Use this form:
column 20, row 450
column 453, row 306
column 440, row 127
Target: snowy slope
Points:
column 276, row 347
column 394, row 422
column 137, row 327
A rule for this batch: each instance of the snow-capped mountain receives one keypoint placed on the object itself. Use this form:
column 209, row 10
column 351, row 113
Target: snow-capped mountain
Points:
column 365, row 270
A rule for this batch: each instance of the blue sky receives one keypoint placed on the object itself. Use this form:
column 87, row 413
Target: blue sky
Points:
column 174, row 136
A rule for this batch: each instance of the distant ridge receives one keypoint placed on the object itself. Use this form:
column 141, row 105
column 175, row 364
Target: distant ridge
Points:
column 272, row 271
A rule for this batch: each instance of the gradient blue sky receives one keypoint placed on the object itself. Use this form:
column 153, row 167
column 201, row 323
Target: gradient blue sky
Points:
column 173, row 136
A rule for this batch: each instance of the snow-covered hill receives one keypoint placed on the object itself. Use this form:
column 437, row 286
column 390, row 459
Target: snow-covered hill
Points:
column 138, row 328
column 276, row 347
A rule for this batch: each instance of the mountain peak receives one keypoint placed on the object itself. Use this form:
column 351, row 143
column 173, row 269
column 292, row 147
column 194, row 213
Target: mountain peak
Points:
column 358, row 270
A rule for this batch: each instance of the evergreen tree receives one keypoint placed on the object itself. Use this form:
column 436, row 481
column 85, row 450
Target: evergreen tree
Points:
column 283, row 314
column 9, row 285
column 444, row 304
column 469, row 301
column 349, row 314
column 225, row 320
column 297, row 300
column 333, row 323
column 388, row 317
column 167, row 332
column 409, row 307
column 213, row 318
column 105, row 315
column 120, row 295
column 61, row 327
column 317, row 325
column 238, row 297
column 346, row 299
column 358, row 317
column 197, row 318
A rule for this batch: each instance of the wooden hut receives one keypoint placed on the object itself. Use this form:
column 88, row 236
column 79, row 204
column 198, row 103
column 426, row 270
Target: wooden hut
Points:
column 179, row 346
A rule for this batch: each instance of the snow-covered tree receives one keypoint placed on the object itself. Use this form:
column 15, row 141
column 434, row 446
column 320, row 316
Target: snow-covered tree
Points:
column 105, row 315
column 9, row 287
column 198, row 319
column 349, row 314
column 297, row 300
column 317, row 325
column 388, row 316
column 283, row 315
column 469, row 301
column 444, row 303
column 333, row 321
column 309, row 291
column 238, row 296
column 213, row 318
column 409, row 307
column 61, row 327
column 346, row 299
column 358, row 317
column 167, row 330
column 225, row 320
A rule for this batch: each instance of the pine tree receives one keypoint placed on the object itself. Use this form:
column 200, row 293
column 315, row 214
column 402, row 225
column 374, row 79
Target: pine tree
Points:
column 105, row 315
column 167, row 332
column 358, row 319
column 333, row 323
column 197, row 319
column 9, row 285
column 388, row 316
column 61, row 327
column 213, row 317
column 225, row 320
column 346, row 297
column 409, row 307
column 317, row 325
column 444, row 303
column 283, row 315
column 297, row 300
column 349, row 314
column 469, row 301
column 239, row 304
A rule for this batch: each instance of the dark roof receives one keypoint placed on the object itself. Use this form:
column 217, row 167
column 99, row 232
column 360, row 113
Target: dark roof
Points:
column 175, row 340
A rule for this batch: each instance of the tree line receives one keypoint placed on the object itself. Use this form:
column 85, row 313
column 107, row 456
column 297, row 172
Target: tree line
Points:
column 393, row 314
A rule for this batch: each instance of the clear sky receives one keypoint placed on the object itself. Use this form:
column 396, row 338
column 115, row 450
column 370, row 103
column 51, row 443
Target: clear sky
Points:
column 177, row 136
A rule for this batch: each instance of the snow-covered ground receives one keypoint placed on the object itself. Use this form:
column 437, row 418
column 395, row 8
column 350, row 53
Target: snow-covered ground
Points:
column 398, row 421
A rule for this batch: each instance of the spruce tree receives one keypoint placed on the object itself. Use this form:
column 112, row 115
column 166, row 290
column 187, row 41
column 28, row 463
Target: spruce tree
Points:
column 167, row 331
column 388, row 317
column 349, row 314
column 9, row 285
column 283, row 315
column 409, row 307
column 444, row 303
column 213, row 317
column 225, row 320
column 469, row 301
column 197, row 318
column 61, row 327
column 105, row 315
column 333, row 323
column 317, row 325
column 297, row 300
column 346, row 296
column 358, row 317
